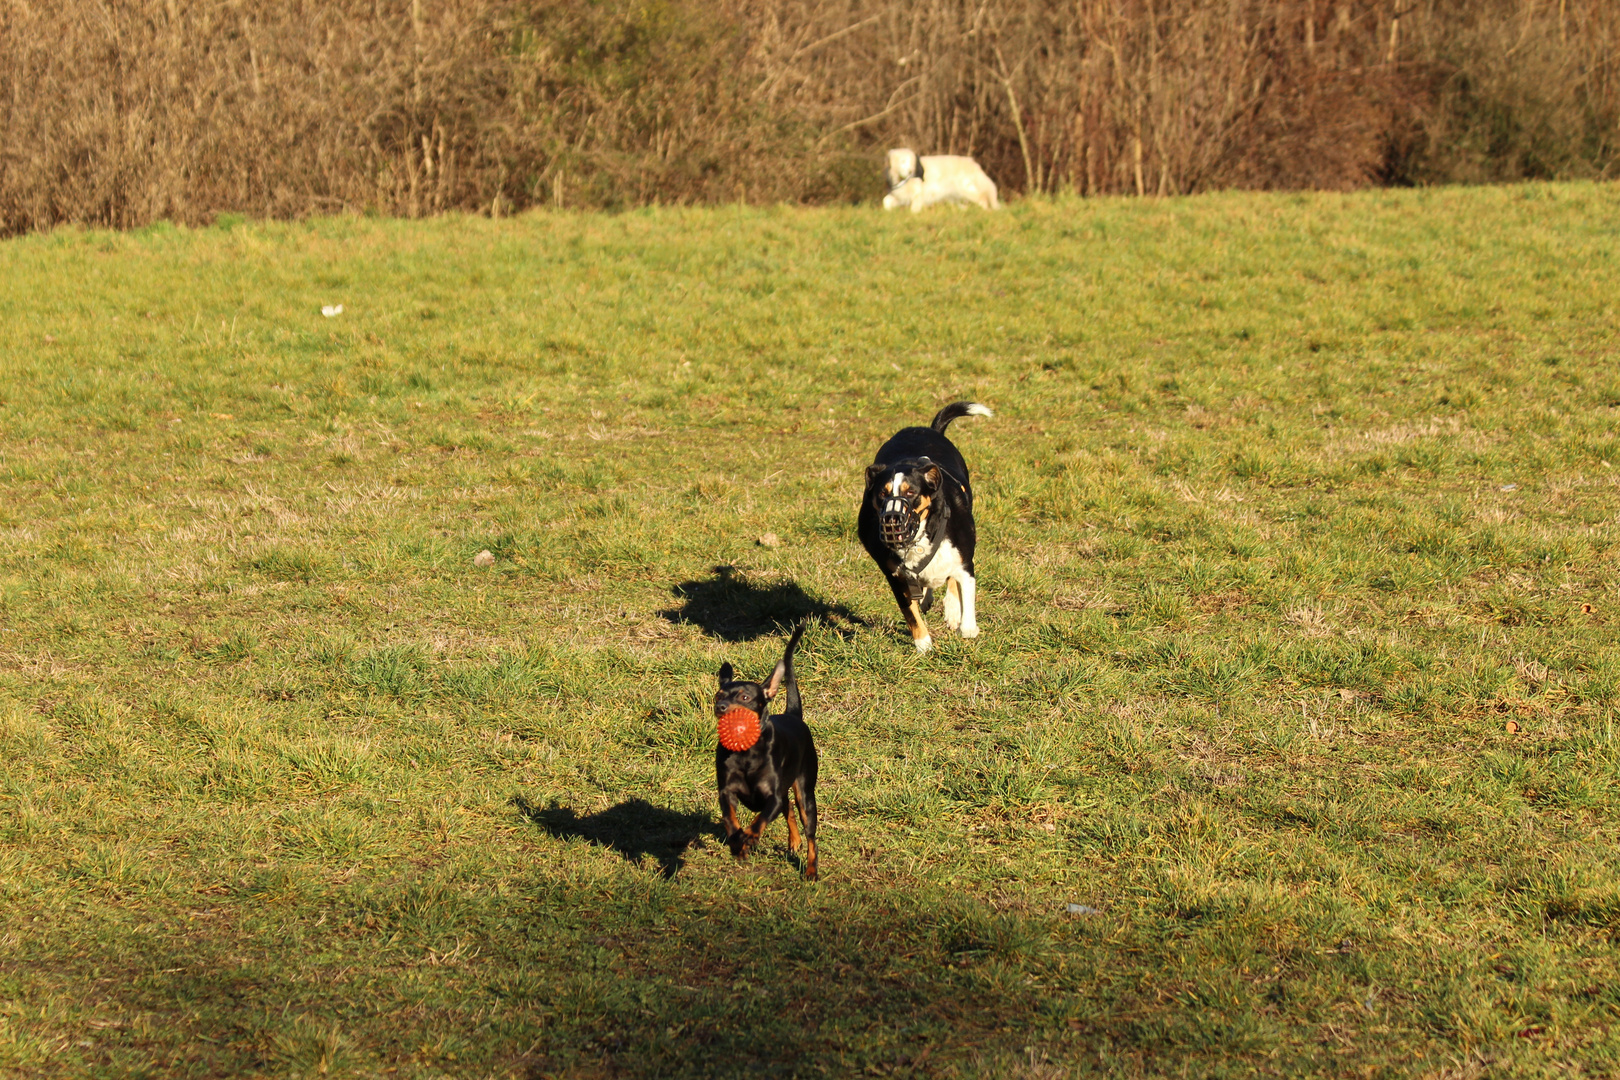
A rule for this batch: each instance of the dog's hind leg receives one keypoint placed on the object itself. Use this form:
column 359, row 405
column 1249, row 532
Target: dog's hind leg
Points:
column 793, row 826
column 807, row 810
column 798, row 791
column 970, row 614
column 953, row 604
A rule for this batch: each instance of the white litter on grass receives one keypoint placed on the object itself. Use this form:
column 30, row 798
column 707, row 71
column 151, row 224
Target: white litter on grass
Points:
column 332, row 309
column 1510, row 487
column 1080, row 909
column 485, row 558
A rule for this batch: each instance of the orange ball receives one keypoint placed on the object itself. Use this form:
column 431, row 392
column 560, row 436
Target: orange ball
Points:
column 739, row 728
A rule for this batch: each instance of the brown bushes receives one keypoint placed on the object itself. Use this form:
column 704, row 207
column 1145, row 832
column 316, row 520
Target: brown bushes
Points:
column 124, row 113
column 1163, row 96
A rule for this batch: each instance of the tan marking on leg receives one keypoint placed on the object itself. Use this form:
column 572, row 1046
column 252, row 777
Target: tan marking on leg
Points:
column 755, row 830
column 793, row 826
column 798, row 793
column 918, row 626
column 735, row 838
column 804, row 823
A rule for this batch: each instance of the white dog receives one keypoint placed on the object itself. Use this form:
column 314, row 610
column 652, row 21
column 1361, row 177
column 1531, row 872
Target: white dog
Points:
column 918, row 182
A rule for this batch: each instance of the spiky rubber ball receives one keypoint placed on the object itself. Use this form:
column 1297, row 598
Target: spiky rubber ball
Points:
column 739, row 728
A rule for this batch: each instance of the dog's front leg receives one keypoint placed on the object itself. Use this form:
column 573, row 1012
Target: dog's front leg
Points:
column 728, row 821
column 970, row 614
column 750, row 836
column 953, row 604
column 756, row 828
column 911, row 610
column 920, row 636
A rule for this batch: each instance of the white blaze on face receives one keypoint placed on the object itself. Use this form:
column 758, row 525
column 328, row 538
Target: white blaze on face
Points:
column 895, row 505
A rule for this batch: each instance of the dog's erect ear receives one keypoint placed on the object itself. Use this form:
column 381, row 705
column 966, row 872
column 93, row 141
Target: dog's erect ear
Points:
column 775, row 682
column 928, row 472
column 726, row 673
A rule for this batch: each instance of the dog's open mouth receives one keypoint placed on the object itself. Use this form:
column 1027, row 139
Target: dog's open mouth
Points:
column 897, row 524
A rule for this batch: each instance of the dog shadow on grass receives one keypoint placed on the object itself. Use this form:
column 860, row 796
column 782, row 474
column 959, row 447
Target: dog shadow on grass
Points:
column 635, row 828
column 733, row 607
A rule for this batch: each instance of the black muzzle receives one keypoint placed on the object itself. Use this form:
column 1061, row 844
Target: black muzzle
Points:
column 897, row 523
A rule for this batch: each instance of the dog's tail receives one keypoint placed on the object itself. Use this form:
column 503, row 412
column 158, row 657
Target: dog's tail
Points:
column 943, row 418
column 782, row 677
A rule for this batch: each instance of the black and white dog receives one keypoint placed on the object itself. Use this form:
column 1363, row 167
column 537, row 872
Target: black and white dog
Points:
column 916, row 522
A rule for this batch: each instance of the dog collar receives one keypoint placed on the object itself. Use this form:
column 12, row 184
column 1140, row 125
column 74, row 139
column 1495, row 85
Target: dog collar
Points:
column 904, row 180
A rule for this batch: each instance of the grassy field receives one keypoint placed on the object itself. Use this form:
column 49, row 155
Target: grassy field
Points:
column 1298, row 672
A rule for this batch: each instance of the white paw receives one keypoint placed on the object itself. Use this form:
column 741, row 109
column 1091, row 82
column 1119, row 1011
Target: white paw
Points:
column 924, row 644
column 970, row 630
column 952, row 624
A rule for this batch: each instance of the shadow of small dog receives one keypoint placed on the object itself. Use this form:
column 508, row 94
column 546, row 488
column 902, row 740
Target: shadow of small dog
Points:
column 731, row 607
column 636, row 829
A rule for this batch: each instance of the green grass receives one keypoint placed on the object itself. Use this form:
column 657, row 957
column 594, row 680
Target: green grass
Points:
column 1290, row 506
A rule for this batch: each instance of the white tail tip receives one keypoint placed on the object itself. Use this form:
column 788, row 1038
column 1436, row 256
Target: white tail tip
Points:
column 976, row 409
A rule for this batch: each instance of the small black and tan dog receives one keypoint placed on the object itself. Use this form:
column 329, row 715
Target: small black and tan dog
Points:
column 780, row 763
column 916, row 522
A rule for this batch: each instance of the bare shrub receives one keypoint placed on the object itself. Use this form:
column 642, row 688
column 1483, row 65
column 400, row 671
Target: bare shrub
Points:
column 121, row 114
column 1523, row 90
column 1165, row 96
